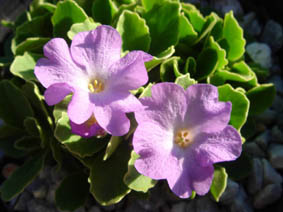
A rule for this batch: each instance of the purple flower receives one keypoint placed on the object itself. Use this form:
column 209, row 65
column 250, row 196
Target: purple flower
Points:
column 93, row 70
column 181, row 134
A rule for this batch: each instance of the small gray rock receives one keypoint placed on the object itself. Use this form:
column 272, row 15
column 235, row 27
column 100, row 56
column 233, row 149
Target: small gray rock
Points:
column 50, row 197
column 191, row 206
column 269, row 194
column 270, row 175
column 273, row 35
column 267, row 117
column 240, row 203
column 81, row 209
column 262, row 140
column 278, row 82
column 260, row 53
column 276, row 134
column 255, row 180
column 253, row 149
column 204, row 204
column 179, row 207
column 251, row 25
column 230, row 192
column 21, row 204
column 277, row 104
column 94, row 209
column 39, row 206
column 224, row 6
column 109, row 208
column 135, row 207
column 275, row 152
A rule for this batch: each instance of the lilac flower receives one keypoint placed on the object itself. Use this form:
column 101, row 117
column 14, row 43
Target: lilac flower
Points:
column 93, row 70
column 181, row 134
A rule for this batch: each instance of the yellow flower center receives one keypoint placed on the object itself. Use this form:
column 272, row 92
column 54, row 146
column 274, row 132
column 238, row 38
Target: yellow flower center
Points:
column 91, row 121
column 183, row 138
column 95, row 86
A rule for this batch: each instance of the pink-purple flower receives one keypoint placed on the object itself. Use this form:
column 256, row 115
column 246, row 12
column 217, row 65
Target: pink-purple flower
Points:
column 181, row 134
column 93, row 70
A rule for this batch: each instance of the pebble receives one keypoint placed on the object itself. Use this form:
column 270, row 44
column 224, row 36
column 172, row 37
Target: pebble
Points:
column 275, row 152
column 273, row 35
column 179, row 207
column 268, row 195
column 39, row 206
column 262, row 140
column 251, row 25
column 255, row 179
column 204, row 204
column 230, row 192
column 260, row 53
column 240, row 202
column 267, row 117
column 277, row 104
column 253, row 149
column 270, row 175
column 276, row 134
column 225, row 6
column 21, row 204
column 278, row 82
column 94, row 209
column 38, row 188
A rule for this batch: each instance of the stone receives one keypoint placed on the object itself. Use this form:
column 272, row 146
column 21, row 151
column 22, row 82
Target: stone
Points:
column 260, row 53
column 251, row 25
column 39, row 206
column 109, row 208
column 262, row 140
column 21, row 204
column 230, row 192
column 275, row 152
column 179, row 207
column 81, row 209
column 38, row 189
column 273, row 35
column 277, row 104
column 240, row 202
column 267, row 117
column 270, row 175
column 135, row 207
column 278, row 82
column 268, row 195
column 204, row 204
column 253, row 149
column 225, row 6
column 276, row 134
column 255, row 179
column 94, row 209
column 50, row 197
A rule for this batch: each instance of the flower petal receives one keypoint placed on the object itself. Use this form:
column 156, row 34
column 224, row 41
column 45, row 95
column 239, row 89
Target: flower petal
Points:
column 112, row 120
column 225, row 145
column 205, row 113
column 154, row 145
column 96, row 50
column 166, row 107
column 130, row 70
column 86, row 131
column 55, row 93
column 58, row 67
column 80, row 108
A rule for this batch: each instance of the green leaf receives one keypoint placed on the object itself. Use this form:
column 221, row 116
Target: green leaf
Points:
column 32, row 126
column 190, row 66
column 87, row 25
column 135, row 180
column 5, row 61
column 107, row 185
column 22, row 177
column 86, row 5
column 261, row 98
column 185, row 81
column 23, row 66
column 73, row 192
column 134, row 32
column 160, row 58
column 207, row 63
column 169, row 69
column 66, row 14
column 56, row 149
column 28, row 143
column 147, row 91
column 112, row 146
column 74, row 143
column 221, row 53
column 103, row 11
column 34, row 45
column 187, row 34
column 149, row 4
column 162, row 26
column 219, row 182
column 194, row 16
column 14, row 107
column 233, row 34
column 240, row 104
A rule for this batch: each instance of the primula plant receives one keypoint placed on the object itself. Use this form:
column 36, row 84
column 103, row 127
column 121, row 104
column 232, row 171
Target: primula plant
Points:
column 123, row 93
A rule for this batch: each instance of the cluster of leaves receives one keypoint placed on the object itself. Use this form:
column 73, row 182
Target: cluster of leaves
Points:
column 188, row 48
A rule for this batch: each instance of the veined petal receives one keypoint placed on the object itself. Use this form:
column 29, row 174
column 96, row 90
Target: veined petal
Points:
column 204, row 112
column 56, row 93
column 80, row 108
column 58, row 67
column 225, row 145
column 97, row 50
column 167, row 106
column 86, row 131
column 130, row 70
